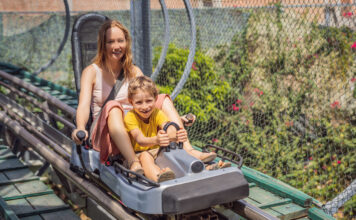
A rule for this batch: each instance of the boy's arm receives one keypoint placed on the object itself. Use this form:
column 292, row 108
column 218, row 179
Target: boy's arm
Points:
column 171, row 131
column 174, row 135
column 142, row 140
column 161, row 138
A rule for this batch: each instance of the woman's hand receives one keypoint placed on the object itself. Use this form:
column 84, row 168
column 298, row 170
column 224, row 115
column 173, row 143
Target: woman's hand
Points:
column 75, row 138
column 163, row 139
column 182, row 135
column 188, row 119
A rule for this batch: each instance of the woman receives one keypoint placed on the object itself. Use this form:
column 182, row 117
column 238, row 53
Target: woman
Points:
column 114, row 57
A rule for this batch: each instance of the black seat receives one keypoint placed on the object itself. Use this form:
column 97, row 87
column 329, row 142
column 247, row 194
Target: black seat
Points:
column 84, row 46
column 84, row 42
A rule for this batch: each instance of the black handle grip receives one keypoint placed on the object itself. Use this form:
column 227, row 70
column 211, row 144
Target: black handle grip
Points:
column 190, row 118
column 169, row 124
column 80, row 135
column 180, row 144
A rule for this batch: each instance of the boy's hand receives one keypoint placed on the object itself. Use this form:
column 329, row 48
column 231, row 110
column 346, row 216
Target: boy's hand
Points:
column 163, row 139
column 182, row 135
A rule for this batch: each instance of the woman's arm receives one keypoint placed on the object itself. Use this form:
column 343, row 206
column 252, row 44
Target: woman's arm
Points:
column 83, row 110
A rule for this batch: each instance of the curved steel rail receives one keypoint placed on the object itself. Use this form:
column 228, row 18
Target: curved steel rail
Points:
column 63, row 42
column 191, row 55
column 166, row 41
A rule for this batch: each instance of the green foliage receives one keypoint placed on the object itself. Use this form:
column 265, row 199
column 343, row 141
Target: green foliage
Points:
column 272, row 95
column 350, row 206
column 332, row 161
column 205, row 86
column 336, row 45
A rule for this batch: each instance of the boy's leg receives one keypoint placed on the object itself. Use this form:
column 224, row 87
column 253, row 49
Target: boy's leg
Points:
column 150, row 169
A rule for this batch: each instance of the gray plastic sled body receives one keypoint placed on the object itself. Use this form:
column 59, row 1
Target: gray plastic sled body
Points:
column 192, row 190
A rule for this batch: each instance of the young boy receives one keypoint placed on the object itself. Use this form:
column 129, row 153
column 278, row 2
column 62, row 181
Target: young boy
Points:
column 144, row 124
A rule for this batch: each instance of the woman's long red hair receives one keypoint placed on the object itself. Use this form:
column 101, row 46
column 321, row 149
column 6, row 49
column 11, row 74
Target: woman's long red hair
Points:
column 100, row 58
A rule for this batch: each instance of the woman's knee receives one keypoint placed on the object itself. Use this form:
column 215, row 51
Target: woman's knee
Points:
column 116, row 113
column 167, row 103
column 116, row 120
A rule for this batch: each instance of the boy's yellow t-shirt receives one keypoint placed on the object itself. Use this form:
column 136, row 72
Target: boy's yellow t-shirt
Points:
column 156, row 120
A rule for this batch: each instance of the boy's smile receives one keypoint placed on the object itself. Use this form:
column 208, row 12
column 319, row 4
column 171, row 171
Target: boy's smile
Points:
column 143, row 104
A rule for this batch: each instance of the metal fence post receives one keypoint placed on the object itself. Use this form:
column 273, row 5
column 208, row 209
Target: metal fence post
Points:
column 1, row 26
column 327, row 14
column 140, row 32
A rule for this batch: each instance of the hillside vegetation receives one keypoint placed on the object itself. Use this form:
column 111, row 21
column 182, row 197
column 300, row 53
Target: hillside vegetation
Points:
column 283, row 99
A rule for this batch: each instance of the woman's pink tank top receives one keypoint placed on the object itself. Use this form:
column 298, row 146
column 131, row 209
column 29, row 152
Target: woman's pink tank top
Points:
column 102, row 90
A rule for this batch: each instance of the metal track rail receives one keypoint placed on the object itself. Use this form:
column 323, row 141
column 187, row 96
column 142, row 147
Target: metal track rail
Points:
column 62, row 166
column 48, row 141
column 249, row 211
column 38, row 127
column 40, row 93
column 42, row 106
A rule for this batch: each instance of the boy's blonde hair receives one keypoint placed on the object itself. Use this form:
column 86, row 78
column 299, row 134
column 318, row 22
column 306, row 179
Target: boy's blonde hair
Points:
column 142, row 83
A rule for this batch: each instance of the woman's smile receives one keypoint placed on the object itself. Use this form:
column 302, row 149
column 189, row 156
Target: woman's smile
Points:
column 115, row 43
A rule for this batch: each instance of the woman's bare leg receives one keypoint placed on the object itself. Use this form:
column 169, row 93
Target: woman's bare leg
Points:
column 150, row 169
column 171, row 112
column 169, row 109
column 120, row 136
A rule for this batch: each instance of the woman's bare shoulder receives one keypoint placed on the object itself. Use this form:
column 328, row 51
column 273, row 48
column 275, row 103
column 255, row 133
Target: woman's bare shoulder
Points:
column 89, row 73
column 89, row 70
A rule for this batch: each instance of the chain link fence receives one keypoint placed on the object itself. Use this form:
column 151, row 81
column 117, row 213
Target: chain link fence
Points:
column 275, row 82
column 271, row 80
